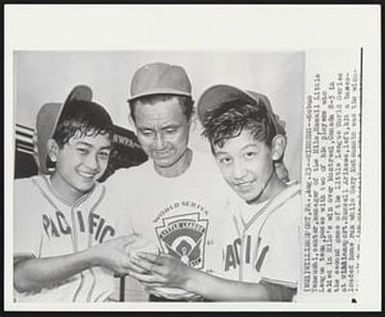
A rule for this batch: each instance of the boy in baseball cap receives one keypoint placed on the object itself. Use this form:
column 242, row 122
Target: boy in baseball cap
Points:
column 65, row 245
column 262, row 254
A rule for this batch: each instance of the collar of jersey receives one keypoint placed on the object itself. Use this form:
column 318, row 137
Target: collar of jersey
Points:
column 284, row 195
column 80, row 200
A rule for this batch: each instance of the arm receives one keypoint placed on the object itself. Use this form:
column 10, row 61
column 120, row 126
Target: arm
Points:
column 31, row 274
column 170, row 272
column 219, row 289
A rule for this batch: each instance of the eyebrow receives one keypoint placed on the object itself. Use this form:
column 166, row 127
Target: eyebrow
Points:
column 221, row 152
column 168, row 126
column 171, row 125
column 107, row 147
column 83, row 143
column 249, row 145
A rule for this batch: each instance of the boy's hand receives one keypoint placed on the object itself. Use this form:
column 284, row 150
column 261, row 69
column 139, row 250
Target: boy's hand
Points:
column 162, row 270
column 113, row 254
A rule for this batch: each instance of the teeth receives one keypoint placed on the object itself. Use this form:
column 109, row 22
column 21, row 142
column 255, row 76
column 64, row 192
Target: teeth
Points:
column 87, row 175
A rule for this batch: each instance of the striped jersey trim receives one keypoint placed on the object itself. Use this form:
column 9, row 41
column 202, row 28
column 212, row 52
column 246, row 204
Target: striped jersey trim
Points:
column 62, row 199
column 92, row 209
column 80, row 201
column 285, row 199
column 285, row 195
column 43, row 192
column 101, row 295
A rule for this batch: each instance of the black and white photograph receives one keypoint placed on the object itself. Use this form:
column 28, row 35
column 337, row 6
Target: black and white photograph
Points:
column 196, row 177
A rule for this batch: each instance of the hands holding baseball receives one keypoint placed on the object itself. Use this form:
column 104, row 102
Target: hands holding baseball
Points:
column 160, row 273
column 160, row 270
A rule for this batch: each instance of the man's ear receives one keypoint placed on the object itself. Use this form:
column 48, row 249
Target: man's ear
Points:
column 278, row 146
column 192, row 122
column 52, row 150
column 131, row 120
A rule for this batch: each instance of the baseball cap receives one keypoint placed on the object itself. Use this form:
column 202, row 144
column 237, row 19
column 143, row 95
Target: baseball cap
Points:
column 47, row 120
column 217, row 95
column 159, row 78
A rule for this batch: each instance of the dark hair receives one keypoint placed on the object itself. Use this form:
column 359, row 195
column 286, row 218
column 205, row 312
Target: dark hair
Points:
column 231, row 118
column 186, row 102
column 86, row 117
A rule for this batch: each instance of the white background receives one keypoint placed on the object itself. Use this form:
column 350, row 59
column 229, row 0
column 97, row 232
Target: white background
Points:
column 210, row 28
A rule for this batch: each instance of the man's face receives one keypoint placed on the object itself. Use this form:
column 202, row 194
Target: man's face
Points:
column 246, row 164
column 163, row 131
column 80, row 163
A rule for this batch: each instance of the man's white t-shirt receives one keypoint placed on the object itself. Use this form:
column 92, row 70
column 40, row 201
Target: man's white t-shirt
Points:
column 186, row 216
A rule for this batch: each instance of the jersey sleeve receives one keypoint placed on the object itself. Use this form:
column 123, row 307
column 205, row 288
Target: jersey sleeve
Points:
column 282, row 265
column 27, row 230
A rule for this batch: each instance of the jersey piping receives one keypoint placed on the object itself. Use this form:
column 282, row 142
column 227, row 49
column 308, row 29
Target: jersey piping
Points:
column 90, row 244
column 282, row 193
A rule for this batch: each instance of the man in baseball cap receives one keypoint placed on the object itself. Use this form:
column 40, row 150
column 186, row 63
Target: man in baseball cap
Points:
column 261, row 255
column 176, row 197
column 65, row 227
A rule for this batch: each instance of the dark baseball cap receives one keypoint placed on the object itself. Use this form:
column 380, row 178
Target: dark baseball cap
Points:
column 160, row 78
column 217, row 95
column 48, row 118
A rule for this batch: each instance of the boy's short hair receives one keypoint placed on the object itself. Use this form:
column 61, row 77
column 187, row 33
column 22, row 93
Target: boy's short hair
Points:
column 86, row 117
column 186, row 102
column 225, row 111
column 229, row 120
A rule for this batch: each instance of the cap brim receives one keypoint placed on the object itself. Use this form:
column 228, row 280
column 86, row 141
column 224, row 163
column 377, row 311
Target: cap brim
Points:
column 219, row 94
column 160, row 92
column 45, row 122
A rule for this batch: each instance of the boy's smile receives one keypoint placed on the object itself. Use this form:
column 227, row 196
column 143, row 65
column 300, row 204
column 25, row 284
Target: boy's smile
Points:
column 80, row 163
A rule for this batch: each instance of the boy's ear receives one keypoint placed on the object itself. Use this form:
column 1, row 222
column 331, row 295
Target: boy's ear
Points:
column 52, row 150
column 278, row 146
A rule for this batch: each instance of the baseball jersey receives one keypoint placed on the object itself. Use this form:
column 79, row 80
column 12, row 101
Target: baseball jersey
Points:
column 265, row 241
column 184, row 215
column 45, row 225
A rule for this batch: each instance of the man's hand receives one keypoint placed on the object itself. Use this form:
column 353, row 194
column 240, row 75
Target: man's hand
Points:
column 163, row 270
column 114, row 254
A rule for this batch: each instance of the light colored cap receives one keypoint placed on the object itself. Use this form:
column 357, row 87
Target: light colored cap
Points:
column 47, row 120
column 217, row 95
column 160, row 78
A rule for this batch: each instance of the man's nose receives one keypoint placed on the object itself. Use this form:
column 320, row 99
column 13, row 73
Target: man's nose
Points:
column 159, row 141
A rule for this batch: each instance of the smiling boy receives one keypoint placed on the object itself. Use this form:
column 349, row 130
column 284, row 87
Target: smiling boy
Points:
column 65, row 245
column 262, row 256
